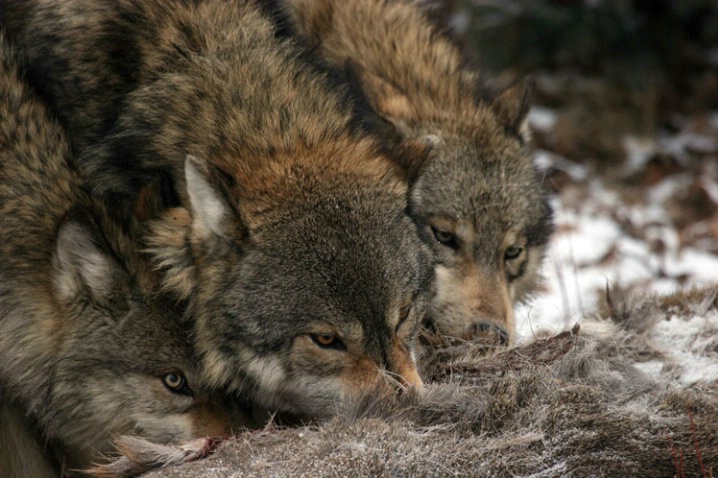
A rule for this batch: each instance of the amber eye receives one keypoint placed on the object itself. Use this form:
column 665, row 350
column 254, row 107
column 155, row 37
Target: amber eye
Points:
column 513, row 252
column 177, row 383
column 328, row 341
column 445, row 238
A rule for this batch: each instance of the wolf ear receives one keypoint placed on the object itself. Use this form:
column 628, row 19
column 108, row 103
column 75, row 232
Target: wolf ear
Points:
column 179, row 234
column 210, row 211
column 512, row 106
column 83, row 264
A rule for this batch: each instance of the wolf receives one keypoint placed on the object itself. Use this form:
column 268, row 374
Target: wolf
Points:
column 480, row 200
column 89, row 345
column 291, row 240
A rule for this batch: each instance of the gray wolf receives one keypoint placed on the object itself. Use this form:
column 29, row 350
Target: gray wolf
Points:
column 291, row 240
column 480, row 200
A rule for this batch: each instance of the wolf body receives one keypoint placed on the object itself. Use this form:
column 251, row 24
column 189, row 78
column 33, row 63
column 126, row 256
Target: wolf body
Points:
column 292, row 244
column 89, row 346
column 480, row 199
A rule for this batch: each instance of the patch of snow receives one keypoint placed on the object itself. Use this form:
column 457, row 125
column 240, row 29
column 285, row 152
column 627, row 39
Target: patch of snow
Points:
column 691, row 346
column 542, row 119
column 710, row 186
column 669, row 187
column 701, row 267
column 545, row 160
column 591, row 250
column 677, row 145
column 638, row 152
column 650, row 367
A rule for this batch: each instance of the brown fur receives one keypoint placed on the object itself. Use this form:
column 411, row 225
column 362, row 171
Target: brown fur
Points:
column 86, row 339
column 295, row 219
column 480, row 191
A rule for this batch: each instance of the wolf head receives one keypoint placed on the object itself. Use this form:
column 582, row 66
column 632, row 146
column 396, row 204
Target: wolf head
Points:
column 126, row 362
column 308, row 293
column 486, row 215
column 483, row 205
column 480, row 200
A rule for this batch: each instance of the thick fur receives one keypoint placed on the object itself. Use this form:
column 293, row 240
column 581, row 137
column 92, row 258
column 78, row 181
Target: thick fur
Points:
column 294, row 220
column 86, row 340
column 480, row 199
column 83, row 57
column 571, row 406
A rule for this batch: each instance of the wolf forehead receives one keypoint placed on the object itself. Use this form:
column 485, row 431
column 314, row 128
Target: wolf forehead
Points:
column 152, row 334
column 333, row 264
column 481, row 182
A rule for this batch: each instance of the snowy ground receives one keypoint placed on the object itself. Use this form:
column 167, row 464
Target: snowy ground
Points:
column 631, row 236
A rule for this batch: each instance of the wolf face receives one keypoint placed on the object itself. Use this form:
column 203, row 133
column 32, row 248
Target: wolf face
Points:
column 124, row 347
column 486, row 218
column 480, row 199
column 90, row 348
column 312, row 303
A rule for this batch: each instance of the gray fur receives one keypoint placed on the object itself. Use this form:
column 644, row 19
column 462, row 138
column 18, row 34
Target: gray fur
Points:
column 568, row 406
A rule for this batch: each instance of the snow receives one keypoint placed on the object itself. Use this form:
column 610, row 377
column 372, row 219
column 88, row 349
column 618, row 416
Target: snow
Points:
column 542, row 118
column 593, row 248
column 691, row 347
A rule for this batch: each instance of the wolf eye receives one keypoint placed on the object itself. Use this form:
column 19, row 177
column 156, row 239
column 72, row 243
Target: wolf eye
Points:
column 402, row 318
column 328, row 341
column 446, row 238
column 177, row 383
column 513, row 252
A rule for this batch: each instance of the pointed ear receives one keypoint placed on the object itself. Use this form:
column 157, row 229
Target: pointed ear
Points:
column 210, row 211
column 84, row 265
column 512, row 106
column 413, row 155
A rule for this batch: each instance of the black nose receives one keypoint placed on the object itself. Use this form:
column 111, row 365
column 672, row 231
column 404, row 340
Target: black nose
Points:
column 486, row 329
